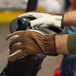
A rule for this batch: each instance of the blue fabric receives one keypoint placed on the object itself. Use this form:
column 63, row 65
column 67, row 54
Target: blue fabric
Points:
column 74, row 30
column 36, row 5
column 69, row 67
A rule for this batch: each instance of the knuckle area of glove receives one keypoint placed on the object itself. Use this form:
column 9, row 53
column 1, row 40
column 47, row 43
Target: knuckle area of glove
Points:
column 13, row 44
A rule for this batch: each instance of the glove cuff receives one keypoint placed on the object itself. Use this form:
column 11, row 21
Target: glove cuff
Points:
column 69, row 18
column 61, row 44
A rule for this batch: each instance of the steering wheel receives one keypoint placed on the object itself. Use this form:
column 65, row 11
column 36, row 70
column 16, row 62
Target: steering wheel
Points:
column 29, row 65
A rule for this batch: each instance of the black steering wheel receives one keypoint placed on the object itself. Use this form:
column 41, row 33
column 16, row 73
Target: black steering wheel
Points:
column 30, row 65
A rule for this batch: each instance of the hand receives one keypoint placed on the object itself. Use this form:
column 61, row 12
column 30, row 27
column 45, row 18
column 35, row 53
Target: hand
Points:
column 43, row 19
column 25, row 43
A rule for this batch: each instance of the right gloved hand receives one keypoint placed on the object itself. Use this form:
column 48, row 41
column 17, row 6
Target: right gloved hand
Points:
column 43, row 19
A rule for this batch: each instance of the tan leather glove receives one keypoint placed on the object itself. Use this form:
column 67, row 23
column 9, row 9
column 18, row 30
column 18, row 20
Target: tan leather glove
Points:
column 25, row 43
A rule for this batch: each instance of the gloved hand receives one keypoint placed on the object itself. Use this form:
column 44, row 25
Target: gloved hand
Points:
column 25, row 43
column 43, row 19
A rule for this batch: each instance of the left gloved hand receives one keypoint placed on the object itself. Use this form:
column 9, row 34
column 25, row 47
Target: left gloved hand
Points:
column 25, row 43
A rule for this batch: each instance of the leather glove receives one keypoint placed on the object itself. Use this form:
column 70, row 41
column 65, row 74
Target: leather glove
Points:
column 43, row 19
column 25, row 43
